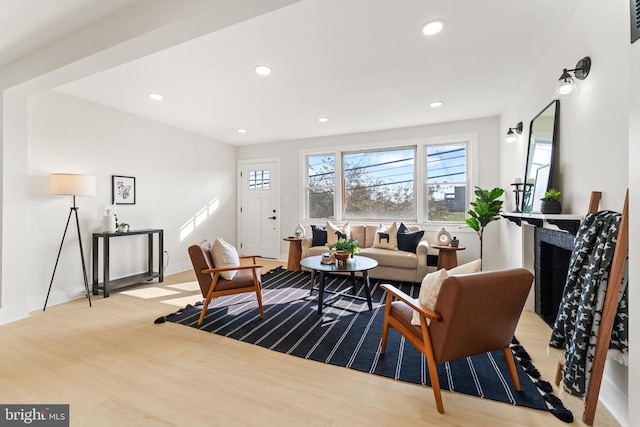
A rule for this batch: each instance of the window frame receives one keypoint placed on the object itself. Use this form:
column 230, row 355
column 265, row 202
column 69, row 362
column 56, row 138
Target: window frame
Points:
column 420, row 171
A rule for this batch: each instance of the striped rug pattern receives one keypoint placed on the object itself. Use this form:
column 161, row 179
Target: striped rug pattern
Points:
column 348, row 334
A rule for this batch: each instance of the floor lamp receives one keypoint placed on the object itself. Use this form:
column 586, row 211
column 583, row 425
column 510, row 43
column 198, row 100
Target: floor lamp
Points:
column 63, row 184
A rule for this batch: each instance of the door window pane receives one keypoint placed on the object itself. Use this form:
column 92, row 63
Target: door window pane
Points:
column 259, row 180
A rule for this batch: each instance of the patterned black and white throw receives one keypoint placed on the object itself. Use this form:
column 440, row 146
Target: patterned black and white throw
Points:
column 348, row 334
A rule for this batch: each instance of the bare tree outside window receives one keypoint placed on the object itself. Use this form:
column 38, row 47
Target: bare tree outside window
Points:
column 446, row 186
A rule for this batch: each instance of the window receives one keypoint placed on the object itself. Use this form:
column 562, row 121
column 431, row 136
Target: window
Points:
column 446, row 183
column 321, row 186
column 379, row 184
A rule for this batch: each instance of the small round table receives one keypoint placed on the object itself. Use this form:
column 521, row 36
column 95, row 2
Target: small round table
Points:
column 356, row 264
column 295, row 253
column 447, row 257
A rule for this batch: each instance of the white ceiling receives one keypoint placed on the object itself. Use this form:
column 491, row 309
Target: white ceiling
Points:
column 361, row 63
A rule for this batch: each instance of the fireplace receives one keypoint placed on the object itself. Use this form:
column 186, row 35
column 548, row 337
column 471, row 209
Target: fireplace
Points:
column 552, row 254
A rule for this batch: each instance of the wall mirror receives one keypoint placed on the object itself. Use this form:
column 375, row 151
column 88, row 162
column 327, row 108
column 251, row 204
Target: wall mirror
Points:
column 543, row 135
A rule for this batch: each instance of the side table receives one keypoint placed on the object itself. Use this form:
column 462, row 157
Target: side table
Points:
column 447, row 257
column 295, row 253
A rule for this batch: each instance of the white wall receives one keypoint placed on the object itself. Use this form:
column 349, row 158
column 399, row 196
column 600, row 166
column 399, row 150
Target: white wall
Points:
column 487, row 173
column 594, row 133
column 178, row 174
column 634, row 228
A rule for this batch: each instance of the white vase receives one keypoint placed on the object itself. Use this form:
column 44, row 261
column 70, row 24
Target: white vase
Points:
column 443, row 238
column 109, row 222
column 300, row 231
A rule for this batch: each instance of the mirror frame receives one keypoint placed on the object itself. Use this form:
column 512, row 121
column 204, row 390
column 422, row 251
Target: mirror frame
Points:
column 529, row 189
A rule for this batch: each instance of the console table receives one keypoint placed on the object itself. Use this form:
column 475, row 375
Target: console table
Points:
column 150, row 274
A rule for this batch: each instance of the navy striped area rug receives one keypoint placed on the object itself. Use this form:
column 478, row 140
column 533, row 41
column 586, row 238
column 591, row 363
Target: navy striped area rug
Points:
column 349, row 334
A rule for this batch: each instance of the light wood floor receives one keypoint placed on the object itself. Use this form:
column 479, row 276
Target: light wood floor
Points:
column 115, row 367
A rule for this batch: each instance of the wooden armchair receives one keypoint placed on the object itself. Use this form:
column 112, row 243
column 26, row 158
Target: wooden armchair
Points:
column 212, row 285
column 473, row 314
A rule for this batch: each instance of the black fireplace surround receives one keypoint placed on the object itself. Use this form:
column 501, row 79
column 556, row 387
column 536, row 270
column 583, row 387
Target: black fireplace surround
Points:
column 553, row 250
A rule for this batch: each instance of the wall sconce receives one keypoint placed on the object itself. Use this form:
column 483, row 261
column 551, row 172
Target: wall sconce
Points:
column 566, row 85
column 511, row 137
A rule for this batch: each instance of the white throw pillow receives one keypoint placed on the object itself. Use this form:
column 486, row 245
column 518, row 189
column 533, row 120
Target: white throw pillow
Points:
column 225, row 255
column 332, row 229
column 432, row 283
column 386, row 237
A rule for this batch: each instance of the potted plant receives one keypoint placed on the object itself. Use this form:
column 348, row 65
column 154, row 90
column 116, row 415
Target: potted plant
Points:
column 486, row 208
column 348, row 246
column 551, row 202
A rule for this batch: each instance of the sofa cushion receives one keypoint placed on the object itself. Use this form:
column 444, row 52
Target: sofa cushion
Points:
column 370, row 234
column 387, row 258
column 319, row 235
column 433, row 282
column 407, row 240
column 333, row 230
column 225, row 255
column 357, row 232
column 387, row 237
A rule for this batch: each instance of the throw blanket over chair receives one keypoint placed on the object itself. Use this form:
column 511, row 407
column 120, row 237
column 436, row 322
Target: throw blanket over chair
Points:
column 473, row 314
column 212, row 285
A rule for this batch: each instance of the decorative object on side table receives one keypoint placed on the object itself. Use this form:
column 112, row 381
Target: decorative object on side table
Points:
column 443, row 237
column 454, row 243
column 109, row 222
column 300, row 231
column 123, row 228
column 486, row 208
column 551, row 202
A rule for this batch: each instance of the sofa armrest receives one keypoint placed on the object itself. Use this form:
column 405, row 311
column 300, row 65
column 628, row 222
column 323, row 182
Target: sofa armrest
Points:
column 421, row 252
column 306, row 244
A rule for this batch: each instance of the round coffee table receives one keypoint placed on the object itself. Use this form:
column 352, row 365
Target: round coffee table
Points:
column 353, row 265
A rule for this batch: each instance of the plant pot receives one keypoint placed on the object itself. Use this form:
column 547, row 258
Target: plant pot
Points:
column 342, row 256
column 550, row 207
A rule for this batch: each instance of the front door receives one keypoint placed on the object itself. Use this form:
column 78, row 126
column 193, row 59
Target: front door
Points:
column 260, row 208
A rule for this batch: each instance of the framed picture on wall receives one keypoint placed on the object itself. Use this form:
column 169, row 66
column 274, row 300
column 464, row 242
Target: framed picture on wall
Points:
column 541, row 187
column 123, row 190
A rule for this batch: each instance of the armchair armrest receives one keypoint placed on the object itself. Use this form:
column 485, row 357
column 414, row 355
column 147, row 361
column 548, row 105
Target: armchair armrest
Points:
column 412, row 302
column 221, row 269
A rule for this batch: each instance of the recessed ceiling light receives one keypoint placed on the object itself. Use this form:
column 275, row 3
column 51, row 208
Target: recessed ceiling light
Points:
column 263, row 70
column 242, row 131
column 156, row 96
column 436, row 104
column 323, row 119
column 432, row 27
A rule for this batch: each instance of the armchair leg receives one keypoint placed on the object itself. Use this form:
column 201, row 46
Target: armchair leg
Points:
column 207, row 301
column 256, row 284
column 512, row 368
column 385, row 323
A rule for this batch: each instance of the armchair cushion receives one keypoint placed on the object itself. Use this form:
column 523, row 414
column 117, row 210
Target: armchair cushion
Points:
column 432, row 283
column 225, row 255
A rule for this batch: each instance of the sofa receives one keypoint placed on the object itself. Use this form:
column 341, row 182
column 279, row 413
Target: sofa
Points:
column 393, row 264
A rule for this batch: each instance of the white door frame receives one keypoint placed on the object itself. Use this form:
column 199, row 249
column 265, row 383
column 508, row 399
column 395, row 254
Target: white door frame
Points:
column 278, row 190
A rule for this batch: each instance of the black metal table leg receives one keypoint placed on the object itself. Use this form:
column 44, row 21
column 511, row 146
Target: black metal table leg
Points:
column 313, row 281
column 365, row 280
column 321, row 292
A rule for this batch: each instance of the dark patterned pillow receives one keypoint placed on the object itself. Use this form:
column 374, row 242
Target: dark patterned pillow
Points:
column 319, row 235
column 407, row 240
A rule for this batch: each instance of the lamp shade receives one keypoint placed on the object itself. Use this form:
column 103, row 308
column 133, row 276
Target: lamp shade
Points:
column 65, row 184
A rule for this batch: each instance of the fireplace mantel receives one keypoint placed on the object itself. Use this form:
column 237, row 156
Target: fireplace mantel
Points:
column 566, row 222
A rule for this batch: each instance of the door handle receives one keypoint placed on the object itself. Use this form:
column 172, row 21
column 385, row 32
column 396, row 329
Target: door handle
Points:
column 272, row 217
